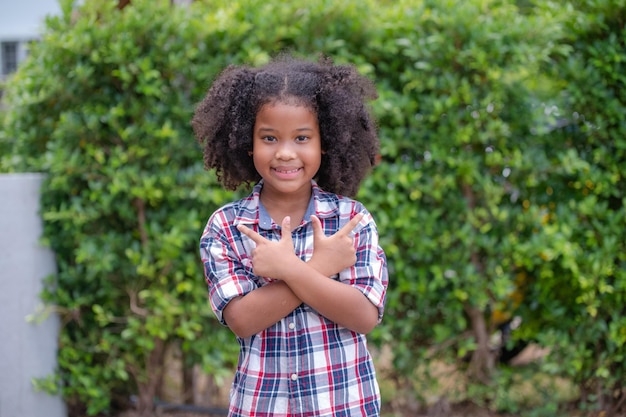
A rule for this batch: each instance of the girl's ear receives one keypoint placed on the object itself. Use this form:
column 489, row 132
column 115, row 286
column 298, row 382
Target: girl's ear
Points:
column 249, row 153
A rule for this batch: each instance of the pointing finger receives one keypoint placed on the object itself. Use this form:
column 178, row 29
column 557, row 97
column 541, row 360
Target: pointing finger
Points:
column 257, row 238
column 351, row 225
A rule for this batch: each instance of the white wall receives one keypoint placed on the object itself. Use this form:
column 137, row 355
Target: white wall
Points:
column 23, row 19
column 27, row 349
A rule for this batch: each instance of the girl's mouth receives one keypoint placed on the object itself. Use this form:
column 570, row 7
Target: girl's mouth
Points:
column 286, row 173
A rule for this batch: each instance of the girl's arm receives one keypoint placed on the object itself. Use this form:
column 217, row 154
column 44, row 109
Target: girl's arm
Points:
column 259, row 309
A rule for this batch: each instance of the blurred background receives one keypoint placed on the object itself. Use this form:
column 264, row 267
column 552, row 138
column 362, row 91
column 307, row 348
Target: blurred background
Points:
column 499, row 195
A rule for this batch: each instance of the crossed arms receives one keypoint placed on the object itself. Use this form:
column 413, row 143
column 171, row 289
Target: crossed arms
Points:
column 302, row 282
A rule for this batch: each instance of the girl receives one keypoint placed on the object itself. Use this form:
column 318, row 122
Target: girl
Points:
column 294, row 269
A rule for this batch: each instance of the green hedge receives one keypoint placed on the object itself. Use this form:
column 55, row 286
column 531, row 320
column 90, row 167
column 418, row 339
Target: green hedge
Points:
column 500, row 191
column 579, row 299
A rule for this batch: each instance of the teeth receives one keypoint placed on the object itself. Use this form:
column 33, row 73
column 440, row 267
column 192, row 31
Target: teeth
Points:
column 288, row 172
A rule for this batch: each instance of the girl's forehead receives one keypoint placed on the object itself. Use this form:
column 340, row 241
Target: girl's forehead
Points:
column 285, row 117
column 285, row 107
column 290, row 101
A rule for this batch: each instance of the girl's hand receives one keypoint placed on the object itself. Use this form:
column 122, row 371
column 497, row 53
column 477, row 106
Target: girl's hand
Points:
column 334, row 253
column 272, row 259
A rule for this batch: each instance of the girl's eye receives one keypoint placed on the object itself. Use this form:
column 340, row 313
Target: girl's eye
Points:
column 269, row 139
column 302, row 138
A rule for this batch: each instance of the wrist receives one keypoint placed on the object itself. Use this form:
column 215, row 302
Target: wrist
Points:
column 291, row 267
column 319, row 267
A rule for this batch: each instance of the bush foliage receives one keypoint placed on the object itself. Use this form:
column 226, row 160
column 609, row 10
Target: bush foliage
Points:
column 500, row 191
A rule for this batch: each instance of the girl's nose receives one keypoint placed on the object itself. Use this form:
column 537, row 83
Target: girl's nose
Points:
column 285, row 151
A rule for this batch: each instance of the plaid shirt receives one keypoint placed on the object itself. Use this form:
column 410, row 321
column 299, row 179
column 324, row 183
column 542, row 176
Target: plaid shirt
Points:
column 305, row 364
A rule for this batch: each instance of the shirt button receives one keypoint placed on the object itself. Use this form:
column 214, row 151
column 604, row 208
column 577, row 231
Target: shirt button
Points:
column 294, row 377
column 292, row 326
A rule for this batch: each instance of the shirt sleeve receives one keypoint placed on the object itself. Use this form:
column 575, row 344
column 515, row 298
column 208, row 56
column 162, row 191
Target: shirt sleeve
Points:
column 227, row 269
column 369, row 274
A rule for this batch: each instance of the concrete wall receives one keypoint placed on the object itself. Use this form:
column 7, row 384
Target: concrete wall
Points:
column 24, row 19
column 27, row 349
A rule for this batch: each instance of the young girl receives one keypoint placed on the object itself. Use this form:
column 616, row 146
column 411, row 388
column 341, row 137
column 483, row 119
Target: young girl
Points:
column 295, row 269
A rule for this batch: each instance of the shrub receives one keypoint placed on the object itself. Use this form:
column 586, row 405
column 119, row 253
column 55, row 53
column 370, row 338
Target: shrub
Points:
column 580, row 258
column 461, row 85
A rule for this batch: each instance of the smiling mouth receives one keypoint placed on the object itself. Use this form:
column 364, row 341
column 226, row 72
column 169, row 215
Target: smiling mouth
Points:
column 286, row 171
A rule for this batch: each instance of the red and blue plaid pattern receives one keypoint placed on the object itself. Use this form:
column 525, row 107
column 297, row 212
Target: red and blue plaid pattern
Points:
column 303, row 365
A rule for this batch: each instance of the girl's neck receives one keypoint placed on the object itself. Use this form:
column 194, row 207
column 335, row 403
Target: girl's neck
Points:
column 279, row 206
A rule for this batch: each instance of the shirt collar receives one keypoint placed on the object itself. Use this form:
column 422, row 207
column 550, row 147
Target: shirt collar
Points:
column 251, row 211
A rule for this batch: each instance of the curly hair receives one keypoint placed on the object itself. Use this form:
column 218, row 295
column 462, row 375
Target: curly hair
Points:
column 224, row 120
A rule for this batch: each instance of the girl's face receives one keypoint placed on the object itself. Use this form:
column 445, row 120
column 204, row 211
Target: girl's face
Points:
column 286, row 149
